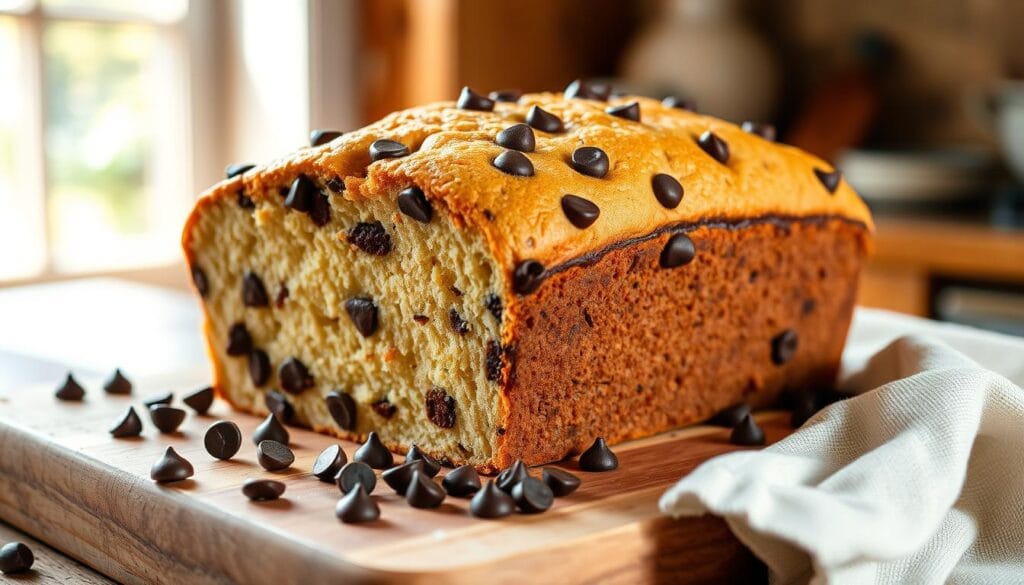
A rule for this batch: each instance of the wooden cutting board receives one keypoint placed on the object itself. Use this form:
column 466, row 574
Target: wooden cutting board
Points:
column 64, row 480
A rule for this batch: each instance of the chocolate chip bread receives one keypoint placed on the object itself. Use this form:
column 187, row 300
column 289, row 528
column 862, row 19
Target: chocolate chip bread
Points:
column 510, row 278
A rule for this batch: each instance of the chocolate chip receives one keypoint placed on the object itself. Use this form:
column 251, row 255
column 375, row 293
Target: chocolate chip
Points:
column 679, row 103
column 353, row 474
column 261, row 490
column 598, row 457
column 319, row 137
column 356, row 507
column 200, row 401
column 491, row 502
column 244, row 201
column 456, row 290
column 766, row 131
column 580, row 212
column 512, row 475
column 398, row 477
column 384, row 408
column 166, row 418
column 592, row 90
column 320, row 209
column 300, row 194
column 274, row 456
column 747, row 433
column 374, row 453
column 528, row 276
column 329, row 462
column 459, row 325
column 282, row 296
column 384, row 148
column 239, row 342
column 199, row 280
column 506, row 95
column 590, row 161
column 829, row 179
column 223, row 440
column 15, row 557
column 494, row 361
column 470, row 100
column 561, row 482
column 259, row 367
column 430, row 465
column 363, row 313
column 667, row 190
column 629, row 111
column 543, row 120
column 731, row 416
column 279, row 406
column 118, row 384
column 518, row 137
column 514, row 163
column 254, row 294
column 336, row 184
column 461, row 482
column 783, row 347
column 679, row 250
column 423, row 492
column 70, row 390
column 804, row 406
column 171, row 467
column 294, row 376
column 717, row 148
column 233, row 170
column 532, row 495
column 270, row 429
column 130, row 425
column 342, row 409
column 493, row 304
column 440, row 408
column 413, row 203
column 164, row 398
column 370, row 237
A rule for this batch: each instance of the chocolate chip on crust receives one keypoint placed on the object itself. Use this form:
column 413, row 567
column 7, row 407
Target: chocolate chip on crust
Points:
column 592, row 90
column 319, row 137
column 363, row 313
column 458, row 324
column 629, row 111
column 471, row 100
column 679, row 103
column 580, row 212
column 679, row 250
column 830, row 179
column 716, row 148
column 233, row 170
column 543, row 120
column 384, row 148
column 294, row 376
column 440, row 408
column 528, row 276
column 590, row 161
column 254, row 294
column 244, row 201
column 667, row 190
column 518, row 137
column 370, row 237
column 506, row 95
column 766, row 131
column 413, row 203
column 513, row 162
column 300, row 194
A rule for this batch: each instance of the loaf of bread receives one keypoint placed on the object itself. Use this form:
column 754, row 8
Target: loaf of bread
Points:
column 495, row 279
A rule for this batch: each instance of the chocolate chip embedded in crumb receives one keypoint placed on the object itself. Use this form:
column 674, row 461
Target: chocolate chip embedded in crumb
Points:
column 493, row 304
column 766, row 131
column 342, row 409
column 679, row 250
column 455, row 290
column 71, row 390
column 254, row 294
column 244, row 201
column 363, row 313
column 384, row 148
column 320, row 209
column 598, row 457
column 440, row 408
column 421, row 319
column 413, row 203
column 495, row 360
column 506, row 95
column 458, row 324
column 543, row 120
column 259, row 367
column 200, row 401
column 513, row 162
column 714, row 146
column 370, row 237
column 336, row 184
column 679, row 103
column 830, row 179
column 518, row 137
column 747, row 433
column 384, row 408
column 118, row 384
column 629, row 111
column 320, row 137
column 783, row 347
column 470, row 100
column 233, row 170
column 294, row 376
column 278, row 405
column 580, row 212
column 667, row 190
column 593, row 90
column 199, row 280
column 282, row 296
column 590, row 161
column 527, row 276
column 239, row 341
column 300, row 194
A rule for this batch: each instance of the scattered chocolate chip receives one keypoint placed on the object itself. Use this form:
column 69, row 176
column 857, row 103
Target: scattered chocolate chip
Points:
column 357, row 507
column 319, row 137
column 200, row 401
column 278, row 405
column 384, row 408
column 544, row 120
column 15, row 557
column 493, row 304
column 440, row 408
column 199, row 280
column 494, row 361
column 130, row 425
column 70, row 390
column 829, row 179
column 716, row 148
column 528, row 276
column 300, row 194
column 590, row 161
column 783, row 347
column 804, row 406
column 282, row 296
column 491, row 502
column 370, row 237
column 591, row 90
column 259, row 367
column 506, row 95
column 336, row 184
column 731, row 416
column 262, row 490
column 747, row 433
column 356, row 473
column 412, row 202
column 384, row 148
column 239, row 341
column 294, row 376
column 342, row 409
column 117, row 384
column 399, row 476
column 166, row 418
column 254, row 294
column 459, row 325
column 518, row 137
column 363, row 313
column 223, row 439
column 233, row 170
column 766, row 131
column 274, row 456
column 244, row 201
column 679, row 250
column 580, row 212
column 667, row 190
column 514, row 163
column 561, row 482
column 423, row 492
column 470, row 100
column 164, row 398
column 532, row 495
column 512, row 475
column 171, row 467
column 329, row 462
column 320, row 209
column 430, row 465
column 630, row 111
column 679, row 103
column 270, row 429
column 374, row 453
column 461, row 482
column 598, row 457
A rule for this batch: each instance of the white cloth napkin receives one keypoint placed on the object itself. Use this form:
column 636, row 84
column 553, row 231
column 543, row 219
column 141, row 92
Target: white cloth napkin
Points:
column 919, row 479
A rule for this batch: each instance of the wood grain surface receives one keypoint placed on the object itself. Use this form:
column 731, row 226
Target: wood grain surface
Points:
column 64, row 480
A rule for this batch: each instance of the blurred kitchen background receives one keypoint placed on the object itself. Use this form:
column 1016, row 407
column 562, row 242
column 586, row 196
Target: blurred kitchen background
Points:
column 114, row 114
